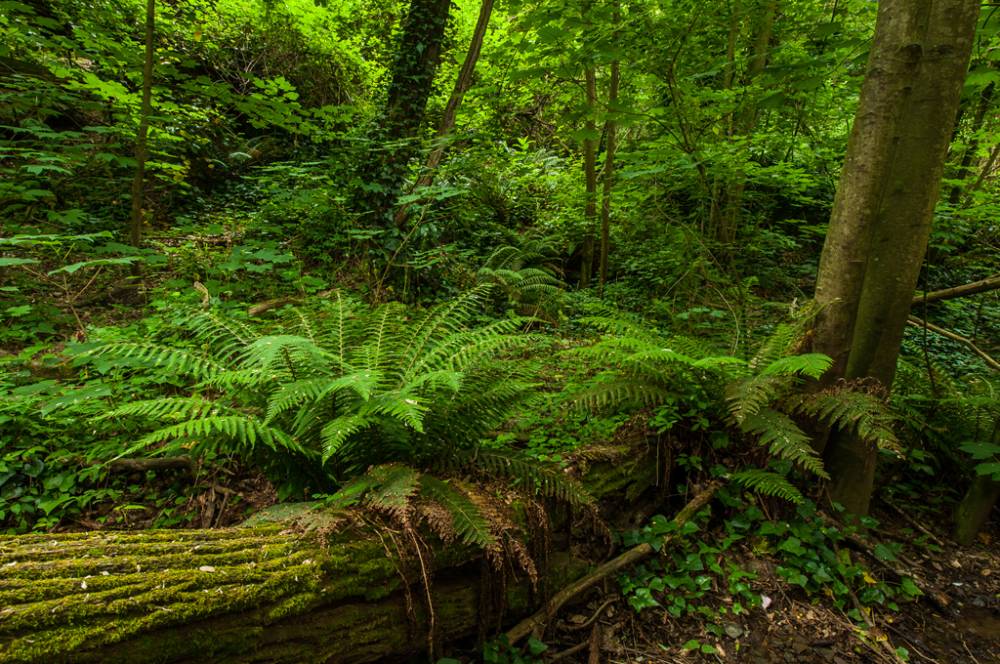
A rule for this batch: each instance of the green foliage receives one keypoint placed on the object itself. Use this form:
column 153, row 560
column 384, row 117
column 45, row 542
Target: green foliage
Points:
column 688, row 578
column 353, row 398
column 342, row 388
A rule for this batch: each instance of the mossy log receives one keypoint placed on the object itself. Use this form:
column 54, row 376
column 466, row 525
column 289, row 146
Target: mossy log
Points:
column 258, row 594
column 296, row 584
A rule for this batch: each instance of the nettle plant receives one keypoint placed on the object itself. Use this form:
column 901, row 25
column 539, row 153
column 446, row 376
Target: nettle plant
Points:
column 367, row 405
column 682, row 380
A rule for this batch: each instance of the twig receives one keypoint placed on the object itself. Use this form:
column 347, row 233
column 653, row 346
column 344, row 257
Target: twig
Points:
column 918, row 322
column 569, row 652
column 595, row 645
column 916, row 524
column 538, row 620
column 885, row 643
column 597, row 614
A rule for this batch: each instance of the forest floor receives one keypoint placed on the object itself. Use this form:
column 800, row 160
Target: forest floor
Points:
column 960, row 623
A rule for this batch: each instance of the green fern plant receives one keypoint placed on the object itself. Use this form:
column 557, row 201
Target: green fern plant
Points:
column 524, row 278
column 762, row 397
column 342, row 387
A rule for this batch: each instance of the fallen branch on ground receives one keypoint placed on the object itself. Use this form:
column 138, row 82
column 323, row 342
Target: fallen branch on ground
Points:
column 540, row 619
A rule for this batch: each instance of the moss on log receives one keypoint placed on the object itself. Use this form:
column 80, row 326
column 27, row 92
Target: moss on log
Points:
column 258, row 594
column 296, row 584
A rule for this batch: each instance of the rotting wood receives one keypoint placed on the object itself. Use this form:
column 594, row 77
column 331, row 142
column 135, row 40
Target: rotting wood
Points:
column 296, row 583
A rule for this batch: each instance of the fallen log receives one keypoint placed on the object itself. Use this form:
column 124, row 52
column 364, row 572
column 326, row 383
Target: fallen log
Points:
column 298, row 584
column 260, row 594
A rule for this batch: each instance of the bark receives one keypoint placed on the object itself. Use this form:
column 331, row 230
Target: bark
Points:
column 141, row 147
column 462, row 85
column 975, row 509
column 608, row 176
column 981, row 286
column 296, row 584
column 883, row 209
column 417, row 57
column 590, row 179
column 261, row 594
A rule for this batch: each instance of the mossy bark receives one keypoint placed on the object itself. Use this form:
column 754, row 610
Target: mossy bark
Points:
column 297, row 583
column 254, row 594
column 975, row 509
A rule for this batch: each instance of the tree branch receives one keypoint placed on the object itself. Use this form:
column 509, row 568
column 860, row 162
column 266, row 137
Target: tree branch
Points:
column 630, row 557
column 918, row 322
column 981, row 286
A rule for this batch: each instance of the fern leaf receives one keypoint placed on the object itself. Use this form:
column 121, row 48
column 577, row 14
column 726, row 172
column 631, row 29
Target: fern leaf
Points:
column 468, row 520
column 784, row 439
column 768, row 484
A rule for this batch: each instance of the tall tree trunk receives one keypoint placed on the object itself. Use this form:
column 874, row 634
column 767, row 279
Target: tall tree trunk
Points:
column 462, row 85
column 730, row 209
column 608, row 176
column 590, row 180
column 141, row 147
column 884, row 204
column 391, row 139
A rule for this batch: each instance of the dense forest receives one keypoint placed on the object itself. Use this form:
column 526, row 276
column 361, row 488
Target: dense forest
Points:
column 507, row 331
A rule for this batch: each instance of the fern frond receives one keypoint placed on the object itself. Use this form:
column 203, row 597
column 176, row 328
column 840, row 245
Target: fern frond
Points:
column 166, row 408
column 173, row 359
column 546, row 479
column 768, row 484
column 865, row 414
column 615, row 392
column 812, row 365
column 784, row 439
column 392, row 489
column 226, row 336
column 240, row 429
column 467, row 519
column 336, row 432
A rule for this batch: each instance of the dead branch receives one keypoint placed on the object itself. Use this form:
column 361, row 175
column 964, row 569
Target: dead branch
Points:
column 919, row 322
column 981, row 286
column 538, row 620
column 159, row 463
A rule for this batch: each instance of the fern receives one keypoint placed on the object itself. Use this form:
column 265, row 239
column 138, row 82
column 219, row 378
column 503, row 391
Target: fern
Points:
column 466, row 517
column 784, row 439
column 855, row 410
column 768, row 483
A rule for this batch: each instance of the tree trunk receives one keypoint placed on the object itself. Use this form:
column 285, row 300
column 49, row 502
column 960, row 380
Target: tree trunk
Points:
column 391, row 140
column 975, row 509
column 141, row 148
column 882, row 212
column 462, row 84
column 608, row 176
column 590, row 180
